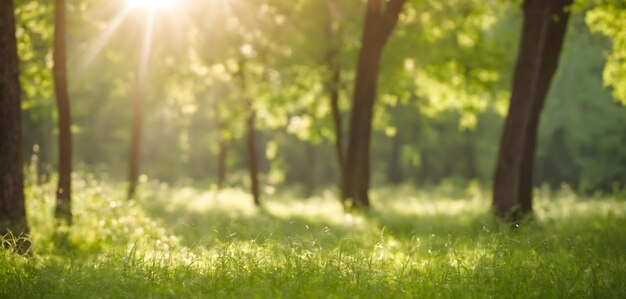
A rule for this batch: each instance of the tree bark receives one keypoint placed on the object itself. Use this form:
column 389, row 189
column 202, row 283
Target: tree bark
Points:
column 253, row 163
column 12, row 211
column 63, row 211
column 544, row 28
column 379, row 23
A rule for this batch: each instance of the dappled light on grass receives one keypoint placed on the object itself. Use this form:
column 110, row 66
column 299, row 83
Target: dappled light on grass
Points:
column 414, row 243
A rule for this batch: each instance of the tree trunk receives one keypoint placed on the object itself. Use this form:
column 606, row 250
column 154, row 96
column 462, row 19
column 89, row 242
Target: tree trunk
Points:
column 253, row 163
column 221, row 162
column 545, row 24
column 12, row 212
column 63, row 211
column 222, row 154
column 471, row 171
column 221, row 166
column 138, row 99
column 334, row 69
column 311, row 160
column 135, row 141
column 394, row 171
column 379, row 23
column 336, row 112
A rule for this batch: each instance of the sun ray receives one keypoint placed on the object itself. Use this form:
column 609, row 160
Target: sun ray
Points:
column 97, row 46
column 146, row 48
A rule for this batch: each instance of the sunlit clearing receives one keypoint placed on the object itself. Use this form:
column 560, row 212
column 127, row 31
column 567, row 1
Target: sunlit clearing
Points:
column 153, row 4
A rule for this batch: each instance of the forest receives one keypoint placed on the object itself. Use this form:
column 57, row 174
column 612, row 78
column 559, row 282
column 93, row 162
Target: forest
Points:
column 312, row 148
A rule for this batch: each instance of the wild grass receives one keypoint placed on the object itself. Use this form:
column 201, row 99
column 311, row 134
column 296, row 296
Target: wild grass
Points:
column 180, row 242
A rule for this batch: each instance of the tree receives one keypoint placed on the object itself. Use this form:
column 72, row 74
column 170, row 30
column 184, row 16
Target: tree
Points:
column 12, row 212
column 380, row 21
column 543, row 31
column 138, row 95
column 608, row 18
column 63, row 210
column 334, row 69
column 253, row 164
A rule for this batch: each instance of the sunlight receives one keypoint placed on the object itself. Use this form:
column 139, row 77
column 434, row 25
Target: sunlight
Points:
column 96, row 47
column 153, row 5
column 145, row 50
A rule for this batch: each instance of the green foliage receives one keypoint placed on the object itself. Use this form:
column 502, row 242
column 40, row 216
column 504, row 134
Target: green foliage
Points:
column 184, row 242
column 444, row 88
column 572, row 150
column 610, row 19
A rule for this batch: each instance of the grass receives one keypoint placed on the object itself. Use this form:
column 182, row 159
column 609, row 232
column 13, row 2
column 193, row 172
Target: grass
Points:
column 442, row 242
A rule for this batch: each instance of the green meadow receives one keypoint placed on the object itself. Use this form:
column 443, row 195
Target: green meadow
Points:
column 181, row 242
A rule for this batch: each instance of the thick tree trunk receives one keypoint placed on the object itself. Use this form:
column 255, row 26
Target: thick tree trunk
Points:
column 545, row 24
column 12, row 212
column 63, row 211
column 379, row 23
column 253, row 163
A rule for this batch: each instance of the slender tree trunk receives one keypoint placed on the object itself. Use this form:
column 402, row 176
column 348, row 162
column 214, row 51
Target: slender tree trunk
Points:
column 394, row 171
column 63, row 211
column 221, row 163
column 470, row 154
column 333, row 89
column 425, row 170
column 137, row 122
column 135, row 141
column 311, row 158
column 379, row 23
column 12, row 212
column 545, row 24
column 334, row 69
column 253, row 163
column 222, row 154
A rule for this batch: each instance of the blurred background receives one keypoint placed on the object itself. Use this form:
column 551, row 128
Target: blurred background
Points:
column 443, row 93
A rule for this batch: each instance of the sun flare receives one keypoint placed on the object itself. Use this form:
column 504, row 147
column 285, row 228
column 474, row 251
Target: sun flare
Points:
column 153, row 5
